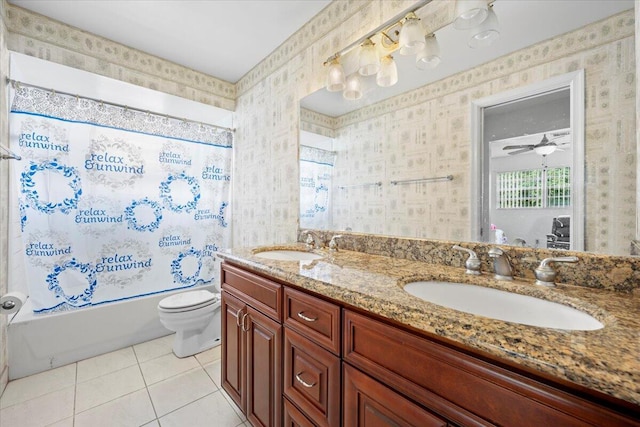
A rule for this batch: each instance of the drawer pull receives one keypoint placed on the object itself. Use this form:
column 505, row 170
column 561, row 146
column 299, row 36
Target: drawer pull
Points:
column 245, row 316
column 303, row 382
column 307, row 318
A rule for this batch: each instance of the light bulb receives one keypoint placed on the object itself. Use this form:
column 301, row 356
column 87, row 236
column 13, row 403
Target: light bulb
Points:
column 369, row 63
column 429, row 55
column 469, row 14
column 411, row 36
column 335, row 77
column 353, row 89
column 485, row 33
column 388, row 74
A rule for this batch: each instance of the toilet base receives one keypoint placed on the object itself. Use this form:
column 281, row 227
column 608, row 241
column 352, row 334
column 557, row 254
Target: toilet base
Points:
column 190, row 342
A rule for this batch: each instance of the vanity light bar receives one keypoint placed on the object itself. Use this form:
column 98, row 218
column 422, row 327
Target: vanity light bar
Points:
column 378, row 29
column 434, row 179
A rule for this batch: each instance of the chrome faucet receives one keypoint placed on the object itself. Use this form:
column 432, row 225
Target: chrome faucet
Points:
column 545, row 275
column 501, row 265
column 473, row 263
column 313, row 241
column 333, row 244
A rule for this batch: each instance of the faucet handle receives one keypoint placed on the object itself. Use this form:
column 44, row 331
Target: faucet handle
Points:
column 473, row 262
column 545, row 275
column 333, row 244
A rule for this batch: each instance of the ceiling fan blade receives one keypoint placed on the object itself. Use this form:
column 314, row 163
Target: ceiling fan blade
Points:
column 524, row 150
column 557, row 134
column 513, row 147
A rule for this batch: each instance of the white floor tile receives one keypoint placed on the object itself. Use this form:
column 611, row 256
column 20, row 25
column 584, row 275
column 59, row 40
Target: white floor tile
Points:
column 213, row 369
column 166, row 366
column 210, row 355
column 233, row 405
column 27, row 388
column 105, row 364
column 208, row 411
column 134, row 409
column 154, row 348
column 153, row 423
column 108, row 387
column 40, row 411
column 180, row 390
column 67, row 422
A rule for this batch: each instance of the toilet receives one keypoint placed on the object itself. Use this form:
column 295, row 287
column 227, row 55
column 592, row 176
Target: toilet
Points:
column 195, row 317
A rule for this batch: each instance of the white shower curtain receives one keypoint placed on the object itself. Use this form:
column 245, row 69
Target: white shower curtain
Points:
column 115, row 203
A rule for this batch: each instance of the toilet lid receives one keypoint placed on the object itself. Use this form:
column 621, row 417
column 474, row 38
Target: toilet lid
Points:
column 189, row 300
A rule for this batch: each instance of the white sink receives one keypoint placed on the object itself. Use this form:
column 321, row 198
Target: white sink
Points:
column 502, row 305
column 288, row 255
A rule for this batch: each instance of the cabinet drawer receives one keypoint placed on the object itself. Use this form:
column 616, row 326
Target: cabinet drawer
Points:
column 315, row 318
column 312, row 379
column 293, row 417
column 464, row 389
column 263, row 294
column 369, row 403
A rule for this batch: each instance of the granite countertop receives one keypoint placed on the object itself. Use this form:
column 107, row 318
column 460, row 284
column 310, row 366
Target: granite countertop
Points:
column 607, row 360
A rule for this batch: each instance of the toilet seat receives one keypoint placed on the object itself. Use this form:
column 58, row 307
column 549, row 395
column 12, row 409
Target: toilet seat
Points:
column 187, row 301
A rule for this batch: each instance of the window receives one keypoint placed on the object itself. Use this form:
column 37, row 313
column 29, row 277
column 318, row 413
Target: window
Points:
column 537, row 188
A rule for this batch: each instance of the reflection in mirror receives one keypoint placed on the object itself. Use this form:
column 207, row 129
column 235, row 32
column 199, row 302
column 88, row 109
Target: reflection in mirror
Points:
column 316, row 172
column 427, row 133
column 531, row 190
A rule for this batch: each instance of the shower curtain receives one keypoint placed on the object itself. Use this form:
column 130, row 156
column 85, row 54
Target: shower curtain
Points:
column 316, row 171
column 115, row 203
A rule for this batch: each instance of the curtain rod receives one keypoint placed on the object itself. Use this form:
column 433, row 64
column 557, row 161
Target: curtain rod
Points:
column 17, row 84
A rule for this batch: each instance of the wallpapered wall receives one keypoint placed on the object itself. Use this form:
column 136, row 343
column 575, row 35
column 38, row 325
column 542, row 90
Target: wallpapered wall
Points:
column 425, row 133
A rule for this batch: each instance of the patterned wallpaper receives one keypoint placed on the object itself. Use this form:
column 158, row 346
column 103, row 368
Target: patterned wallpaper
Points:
column 425, row 133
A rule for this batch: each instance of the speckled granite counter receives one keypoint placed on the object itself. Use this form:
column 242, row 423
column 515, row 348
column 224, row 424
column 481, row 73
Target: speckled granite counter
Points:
column 607, row 360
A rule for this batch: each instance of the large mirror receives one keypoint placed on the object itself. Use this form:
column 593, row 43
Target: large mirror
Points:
column 406, row 164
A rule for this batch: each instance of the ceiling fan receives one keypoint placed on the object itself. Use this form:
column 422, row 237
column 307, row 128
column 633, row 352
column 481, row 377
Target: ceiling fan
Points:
column 544, row 147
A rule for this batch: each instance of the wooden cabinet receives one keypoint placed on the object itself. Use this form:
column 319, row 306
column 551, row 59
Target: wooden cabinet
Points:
column 367, row 403
column 291, row 358
column 460, row 387
column 252, row 345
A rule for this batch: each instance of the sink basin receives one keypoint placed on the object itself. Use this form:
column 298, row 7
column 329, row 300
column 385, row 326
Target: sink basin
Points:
column 503, row 305
column 288, row 255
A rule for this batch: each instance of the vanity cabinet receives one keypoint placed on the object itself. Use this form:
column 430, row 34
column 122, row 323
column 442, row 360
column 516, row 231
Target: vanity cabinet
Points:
column 252, row 345
column 295, row 359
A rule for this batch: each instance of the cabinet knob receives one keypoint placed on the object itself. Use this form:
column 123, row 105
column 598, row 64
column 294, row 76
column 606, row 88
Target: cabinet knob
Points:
column 307, row 318
column 303, row 382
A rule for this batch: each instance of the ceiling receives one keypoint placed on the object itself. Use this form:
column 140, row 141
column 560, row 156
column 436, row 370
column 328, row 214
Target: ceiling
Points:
column 222, row 38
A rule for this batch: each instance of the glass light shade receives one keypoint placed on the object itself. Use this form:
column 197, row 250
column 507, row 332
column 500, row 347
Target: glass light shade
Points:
column 429, row 55
column 369, row 63
column 353, row 89
column 469, row 14
column 484, row 34
column 411, row 36
column 335, row 77
column 388, row 74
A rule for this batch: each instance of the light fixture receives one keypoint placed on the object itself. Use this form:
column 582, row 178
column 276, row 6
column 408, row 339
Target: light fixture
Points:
column 411, row 35
column 335, row 75
column 544, row 147
column 388, row 74
column 485, row 33
column 353, row 89
column 429, row 55
column 469, row 14
column 369, row 62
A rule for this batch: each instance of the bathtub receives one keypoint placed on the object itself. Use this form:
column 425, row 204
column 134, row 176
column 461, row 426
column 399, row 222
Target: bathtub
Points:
column 37, row 343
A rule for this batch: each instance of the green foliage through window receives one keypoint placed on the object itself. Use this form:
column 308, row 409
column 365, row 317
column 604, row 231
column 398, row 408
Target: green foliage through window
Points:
column 537, row 188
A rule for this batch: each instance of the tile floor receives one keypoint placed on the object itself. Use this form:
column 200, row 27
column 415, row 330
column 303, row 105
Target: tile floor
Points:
column 143, row 385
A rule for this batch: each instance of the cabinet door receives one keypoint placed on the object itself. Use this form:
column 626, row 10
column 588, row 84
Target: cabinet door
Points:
column 264, row 370
column 368, row 403
column 234, row 356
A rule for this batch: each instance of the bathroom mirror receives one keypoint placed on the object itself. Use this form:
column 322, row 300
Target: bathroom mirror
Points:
column 402, row 165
